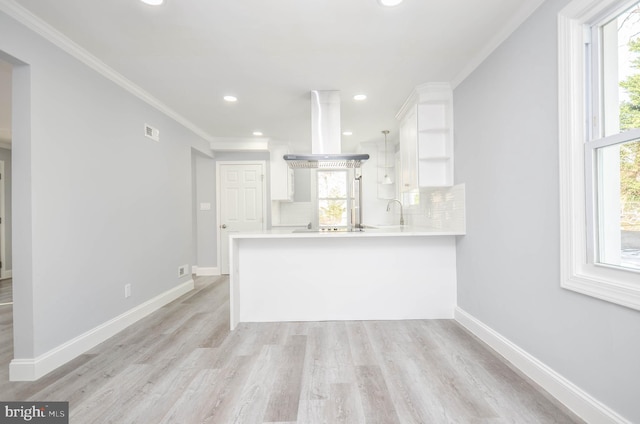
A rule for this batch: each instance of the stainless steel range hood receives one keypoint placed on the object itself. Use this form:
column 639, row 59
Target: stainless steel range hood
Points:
column 340, row 161
column 325, row 136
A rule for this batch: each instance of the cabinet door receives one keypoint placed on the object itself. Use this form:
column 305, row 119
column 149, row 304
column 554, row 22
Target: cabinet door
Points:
column 408, row 151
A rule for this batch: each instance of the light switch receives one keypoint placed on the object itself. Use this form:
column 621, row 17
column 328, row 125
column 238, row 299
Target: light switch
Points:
column 205, row 206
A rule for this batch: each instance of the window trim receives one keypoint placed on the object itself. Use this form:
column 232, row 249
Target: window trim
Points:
column 317, row 198
column 577, row 273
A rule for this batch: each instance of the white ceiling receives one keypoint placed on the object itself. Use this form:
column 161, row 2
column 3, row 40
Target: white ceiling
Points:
column 271, row 54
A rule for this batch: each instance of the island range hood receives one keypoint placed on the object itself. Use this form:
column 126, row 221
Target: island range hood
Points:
column 325, row 136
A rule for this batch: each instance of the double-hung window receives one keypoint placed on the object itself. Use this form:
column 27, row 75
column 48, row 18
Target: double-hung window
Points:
column 333, row 198
column 612, row 150
column 599, row 104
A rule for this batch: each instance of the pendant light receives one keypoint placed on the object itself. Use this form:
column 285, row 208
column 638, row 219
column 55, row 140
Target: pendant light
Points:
column 386, row 179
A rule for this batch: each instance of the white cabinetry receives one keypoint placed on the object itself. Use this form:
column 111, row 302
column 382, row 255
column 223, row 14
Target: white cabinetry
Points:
column 408, row 150
column 281, row 175
column 426, row 137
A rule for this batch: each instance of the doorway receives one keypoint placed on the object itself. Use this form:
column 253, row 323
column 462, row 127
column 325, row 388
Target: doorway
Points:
column 6, row 70
column 241, row 202
column 6, row 257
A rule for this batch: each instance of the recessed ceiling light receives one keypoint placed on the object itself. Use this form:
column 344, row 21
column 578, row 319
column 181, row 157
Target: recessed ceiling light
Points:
column 153, row 2
column 258, row 133
column 230, row 98
column 347, row 133
column 390, row 3
column 360, row 97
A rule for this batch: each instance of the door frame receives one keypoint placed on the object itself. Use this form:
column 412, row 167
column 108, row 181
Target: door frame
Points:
column 262, row 163
column 3, row 226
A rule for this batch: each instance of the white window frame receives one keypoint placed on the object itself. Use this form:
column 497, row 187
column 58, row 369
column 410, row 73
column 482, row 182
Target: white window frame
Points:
column 577, row 268
column 349, row 199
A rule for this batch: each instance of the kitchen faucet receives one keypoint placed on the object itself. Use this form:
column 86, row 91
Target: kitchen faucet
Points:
column 401, row 213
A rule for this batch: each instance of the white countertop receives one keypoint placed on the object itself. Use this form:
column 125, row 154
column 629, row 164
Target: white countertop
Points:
column 391, row 231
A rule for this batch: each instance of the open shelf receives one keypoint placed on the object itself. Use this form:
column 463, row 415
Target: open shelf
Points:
column 426, row 138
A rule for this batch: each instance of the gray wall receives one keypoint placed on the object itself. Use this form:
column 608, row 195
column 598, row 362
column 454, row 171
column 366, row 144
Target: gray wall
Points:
column 5, row 156
column 206, row 250
column 98, row 205
column 301, row 185
column 506, row 129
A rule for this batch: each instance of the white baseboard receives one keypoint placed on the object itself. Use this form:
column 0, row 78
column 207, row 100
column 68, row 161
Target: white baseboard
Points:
column 581, row 403
column 31, row 369
column 206, row 271
column 4, row 274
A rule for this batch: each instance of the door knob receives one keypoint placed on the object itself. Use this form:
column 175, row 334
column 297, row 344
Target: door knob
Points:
column 223, row 226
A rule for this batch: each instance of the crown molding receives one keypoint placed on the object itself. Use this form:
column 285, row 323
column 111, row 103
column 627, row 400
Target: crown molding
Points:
column 419, row 93
column 525, row 11
column 37, row 25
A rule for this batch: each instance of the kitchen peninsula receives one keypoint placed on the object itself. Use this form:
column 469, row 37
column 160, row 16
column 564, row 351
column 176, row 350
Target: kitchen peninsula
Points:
column 377, row 274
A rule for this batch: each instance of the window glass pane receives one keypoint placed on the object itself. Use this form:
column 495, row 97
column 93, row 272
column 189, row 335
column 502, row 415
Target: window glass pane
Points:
column 332, row 212
column 621, row 72
column 618, row 170
column 332, row 184
column 332, row 198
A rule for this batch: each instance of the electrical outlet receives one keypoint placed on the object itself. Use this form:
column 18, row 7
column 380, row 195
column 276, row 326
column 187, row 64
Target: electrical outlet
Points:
column 127, row 290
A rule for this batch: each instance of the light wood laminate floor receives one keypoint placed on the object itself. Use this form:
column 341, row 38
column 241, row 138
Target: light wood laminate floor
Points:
column 182, row 365
column 6, row 291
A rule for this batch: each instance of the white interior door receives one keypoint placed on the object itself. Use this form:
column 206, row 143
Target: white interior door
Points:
column 241, row 203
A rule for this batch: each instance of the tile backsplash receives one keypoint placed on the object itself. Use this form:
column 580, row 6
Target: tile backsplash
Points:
column 440, row 208
column 294, row 214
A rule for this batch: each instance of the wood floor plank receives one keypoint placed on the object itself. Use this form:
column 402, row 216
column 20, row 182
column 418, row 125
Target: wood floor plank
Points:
column 459, row 398
column 328, row 361
column 102, row 405
column 182, row 365
column 285, row 391
column 195, row 402
column 344, row 405
column 214, row 391
column 6, row 291
column 163, row 387
column 416, row 400
column 252, row 401
column 377, row 404
column 510, row 394
column 361, row 349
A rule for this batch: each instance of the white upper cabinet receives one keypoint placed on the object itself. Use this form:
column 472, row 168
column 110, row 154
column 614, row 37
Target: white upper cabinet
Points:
column 281, row 174
column 408, row 150
column 426, row 137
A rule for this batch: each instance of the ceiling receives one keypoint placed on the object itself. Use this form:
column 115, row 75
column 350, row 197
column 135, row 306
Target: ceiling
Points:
column 188, row 54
